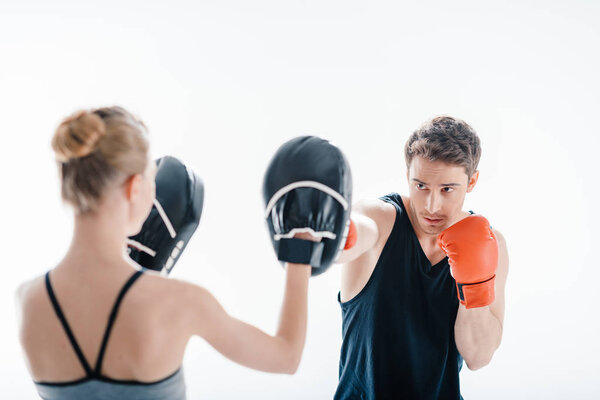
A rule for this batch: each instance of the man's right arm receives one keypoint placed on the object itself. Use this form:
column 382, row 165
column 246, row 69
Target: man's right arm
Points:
column 365, row 214
column 373, row 220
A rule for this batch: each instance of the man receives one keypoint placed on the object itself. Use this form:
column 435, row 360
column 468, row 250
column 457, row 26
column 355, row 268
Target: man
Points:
column 420, row 291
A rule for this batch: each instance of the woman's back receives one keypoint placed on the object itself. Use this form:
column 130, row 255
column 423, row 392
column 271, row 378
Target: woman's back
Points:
column 147, row 339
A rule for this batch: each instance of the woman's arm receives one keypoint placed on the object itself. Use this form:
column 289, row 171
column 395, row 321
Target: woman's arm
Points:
column 246, row 344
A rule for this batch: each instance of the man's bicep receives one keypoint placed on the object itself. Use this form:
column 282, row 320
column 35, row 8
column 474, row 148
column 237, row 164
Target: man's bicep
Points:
column 365, row 217
column 497, row 307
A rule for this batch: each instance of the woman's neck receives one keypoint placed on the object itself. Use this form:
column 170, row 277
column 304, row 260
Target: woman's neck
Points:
column 98, row 238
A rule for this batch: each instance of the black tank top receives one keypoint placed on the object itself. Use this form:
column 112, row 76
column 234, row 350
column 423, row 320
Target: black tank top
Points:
column 398, row 332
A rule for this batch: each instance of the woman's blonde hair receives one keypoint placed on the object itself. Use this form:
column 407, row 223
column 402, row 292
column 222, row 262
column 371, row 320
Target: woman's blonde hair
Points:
column 95, row 148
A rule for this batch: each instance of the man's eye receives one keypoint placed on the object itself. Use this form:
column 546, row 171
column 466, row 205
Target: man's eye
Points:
column 420, row 186
column 448, row 189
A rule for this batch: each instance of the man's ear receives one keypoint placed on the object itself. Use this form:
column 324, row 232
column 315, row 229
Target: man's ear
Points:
column 133, row 186
column 472, row 181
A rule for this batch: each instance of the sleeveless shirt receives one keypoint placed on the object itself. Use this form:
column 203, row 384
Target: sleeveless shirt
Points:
column 398, row 332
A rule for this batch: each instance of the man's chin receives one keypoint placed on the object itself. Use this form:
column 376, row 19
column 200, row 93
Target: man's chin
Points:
column 435, row 229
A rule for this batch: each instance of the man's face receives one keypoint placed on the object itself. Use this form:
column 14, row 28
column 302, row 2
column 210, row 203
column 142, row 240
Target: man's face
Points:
column 437, row 193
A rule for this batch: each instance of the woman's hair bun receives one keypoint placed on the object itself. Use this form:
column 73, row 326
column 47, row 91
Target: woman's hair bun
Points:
column 77, row 135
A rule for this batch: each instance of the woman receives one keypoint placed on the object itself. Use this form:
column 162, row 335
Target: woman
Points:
column 72, row 352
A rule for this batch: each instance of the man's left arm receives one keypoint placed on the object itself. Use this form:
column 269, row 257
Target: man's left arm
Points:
column 478, row 331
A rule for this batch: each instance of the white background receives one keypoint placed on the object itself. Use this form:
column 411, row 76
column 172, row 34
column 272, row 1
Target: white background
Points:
column 221, row 84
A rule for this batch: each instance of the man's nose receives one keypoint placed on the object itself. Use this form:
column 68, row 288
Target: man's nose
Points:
column 433, row 203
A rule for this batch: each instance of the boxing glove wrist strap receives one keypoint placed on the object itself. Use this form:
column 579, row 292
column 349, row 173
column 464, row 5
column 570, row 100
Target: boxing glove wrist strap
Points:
column 352, row 236
column 479, row 294
column 300, row 251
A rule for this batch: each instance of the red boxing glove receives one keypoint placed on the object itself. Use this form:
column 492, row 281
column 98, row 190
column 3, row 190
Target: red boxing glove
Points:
column 352, row 236
column 472, row 252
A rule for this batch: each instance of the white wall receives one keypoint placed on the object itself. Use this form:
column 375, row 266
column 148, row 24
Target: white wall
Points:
column 222, row 83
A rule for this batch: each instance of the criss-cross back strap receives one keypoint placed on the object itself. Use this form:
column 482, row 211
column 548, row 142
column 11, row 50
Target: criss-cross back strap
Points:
column 111, row 320
column 66, row 327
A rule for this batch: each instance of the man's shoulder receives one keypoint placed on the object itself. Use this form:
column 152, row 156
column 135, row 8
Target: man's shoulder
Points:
column 377, row 209
column 382, row 211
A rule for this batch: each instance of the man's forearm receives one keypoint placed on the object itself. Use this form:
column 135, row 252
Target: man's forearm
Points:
column 478, row 333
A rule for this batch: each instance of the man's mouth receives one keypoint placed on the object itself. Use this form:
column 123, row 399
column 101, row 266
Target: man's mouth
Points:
column 433, row 221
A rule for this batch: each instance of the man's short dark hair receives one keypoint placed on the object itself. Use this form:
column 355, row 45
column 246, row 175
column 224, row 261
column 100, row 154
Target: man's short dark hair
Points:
column 445, row 139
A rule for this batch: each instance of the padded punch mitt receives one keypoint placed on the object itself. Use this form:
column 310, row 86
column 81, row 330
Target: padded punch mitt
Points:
column 308, row 188
column 173, row 218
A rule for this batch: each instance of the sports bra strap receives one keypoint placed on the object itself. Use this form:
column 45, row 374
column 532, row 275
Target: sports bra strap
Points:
column 111, row 319
column 66, row 327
